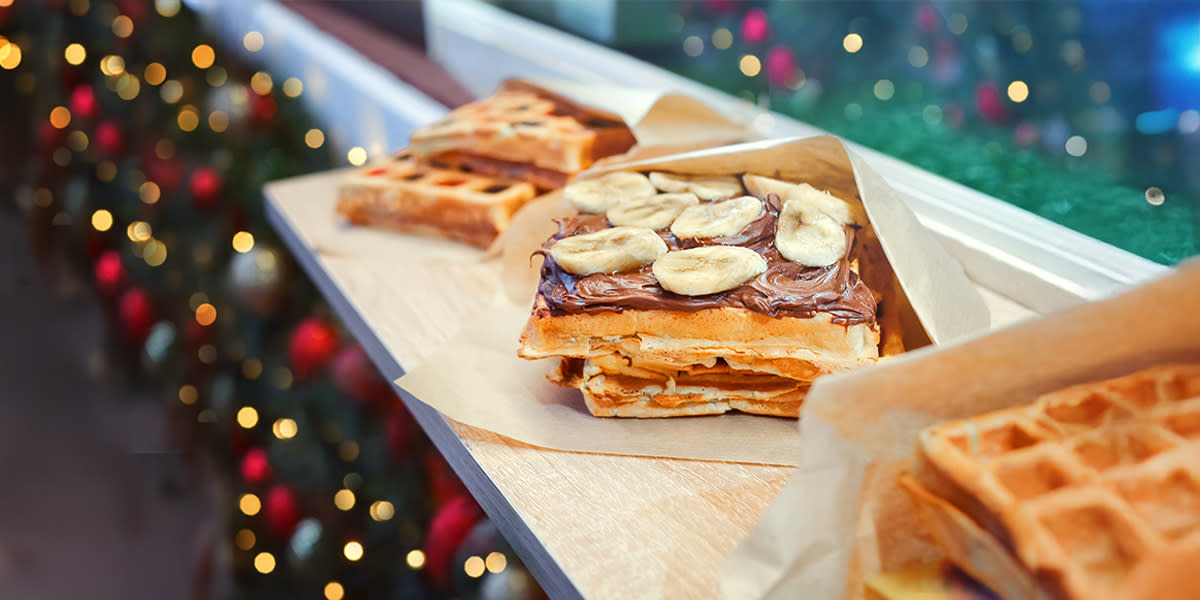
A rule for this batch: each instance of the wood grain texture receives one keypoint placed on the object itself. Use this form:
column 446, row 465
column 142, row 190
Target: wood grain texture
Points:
column 586, row 525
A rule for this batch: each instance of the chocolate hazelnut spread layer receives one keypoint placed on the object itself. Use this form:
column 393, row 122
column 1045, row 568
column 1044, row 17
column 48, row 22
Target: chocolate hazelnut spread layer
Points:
column 784, row 289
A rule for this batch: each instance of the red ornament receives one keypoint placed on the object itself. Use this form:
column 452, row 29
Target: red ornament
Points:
column 444, row 484
column 312, row 345
column 721, row 5
column 357, row 377
column 136, row 315
column 205, row 186
column 755, row 27
column 109, row 139
column 781, row 67
column 83, row 102
column 989, row 104
column 401, row 433
column 255, row 467
column 166, row 173
column 109, row 273
column 446, row 532
column 262, row 109
column 282, row 511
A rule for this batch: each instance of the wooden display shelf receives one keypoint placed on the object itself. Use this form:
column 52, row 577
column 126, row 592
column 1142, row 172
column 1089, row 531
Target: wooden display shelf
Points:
column 585, row 525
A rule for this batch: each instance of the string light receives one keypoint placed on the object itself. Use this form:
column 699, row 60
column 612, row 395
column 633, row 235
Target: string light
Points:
column 474, row 567
column 264, row 563
column 128, row 86
column 78, row 7
column 122, row 26
column 62, row 157
column 382, row 510
column 750, row 65
column 216, row 76
column 207, row 354
column 203, row 56
column 415, row 559
column 261, row 83
column 957, row 23
column 353, row 551
column 252, row 368
column 10, row 54
column 496, row 562
column 693, row 45
column 243, row 242
column 206, row 314
column 188, row 119
column 77, row 141
column 357, row 156
column 293, row 87
column 188, row 394
column 334, row 591
column 344, row 499
column 171, row 91
column 1018, row 91
column 722, row 39
column 1076, row 145
column 247, row 417
column 1101, row 93
column 282, row 378
column 195, row 300
column 885, row 89
column 138, row 231
column 156, row 256
column 348, row 451
column 102, row 220
column 253, row 41
column 315, row 138
column 918, row 56
column 75, row 53
column 106, row 171
column 164, row 149
column 249, row 504
column 218, row 121
column 149, row 192
column 60, row 117
column 167, row 8
column 285, row 429
column 245, row 539
column 852, row 42
column 112, row 65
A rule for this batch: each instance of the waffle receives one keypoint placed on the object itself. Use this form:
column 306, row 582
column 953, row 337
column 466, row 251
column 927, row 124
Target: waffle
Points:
column 521, row 131
column 406, row 195
column 635, row 349
column 1080, row 489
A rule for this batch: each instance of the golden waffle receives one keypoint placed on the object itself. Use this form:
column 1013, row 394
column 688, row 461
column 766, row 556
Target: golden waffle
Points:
column 1082, row 487
column 520, row 126
column 405, row 195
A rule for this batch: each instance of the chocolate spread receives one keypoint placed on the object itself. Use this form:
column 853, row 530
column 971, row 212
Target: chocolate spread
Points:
column 785, row 289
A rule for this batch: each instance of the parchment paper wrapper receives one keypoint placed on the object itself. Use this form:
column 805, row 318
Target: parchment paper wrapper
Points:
column 478, row 379
column 841, row 518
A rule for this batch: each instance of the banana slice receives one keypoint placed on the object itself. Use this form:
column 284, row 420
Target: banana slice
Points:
column 808, row 236
column 835, row 207
column 706, row 187
column 598, row 195
column 717, row 219
column 611, row 250
column 707, row 269
column 655, row 212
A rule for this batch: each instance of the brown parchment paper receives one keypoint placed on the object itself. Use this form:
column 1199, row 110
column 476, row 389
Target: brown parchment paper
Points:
column 478, row 379
column 841, row 519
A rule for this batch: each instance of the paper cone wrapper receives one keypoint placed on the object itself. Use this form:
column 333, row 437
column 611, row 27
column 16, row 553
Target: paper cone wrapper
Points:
column 842, row 519
column 478, row 379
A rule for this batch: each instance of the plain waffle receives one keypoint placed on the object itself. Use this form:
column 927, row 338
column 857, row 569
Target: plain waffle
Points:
column 1081, row 487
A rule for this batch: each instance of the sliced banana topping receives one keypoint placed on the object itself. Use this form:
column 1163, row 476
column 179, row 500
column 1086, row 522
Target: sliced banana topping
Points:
column 717, row 219
column 598, row 195
column 706, row 187
column 655, row 212
column 707, row 269
column 840, row 210
column 808, row 236
column 611, row 250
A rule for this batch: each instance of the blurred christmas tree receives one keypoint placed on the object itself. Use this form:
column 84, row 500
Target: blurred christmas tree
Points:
column 149, row 154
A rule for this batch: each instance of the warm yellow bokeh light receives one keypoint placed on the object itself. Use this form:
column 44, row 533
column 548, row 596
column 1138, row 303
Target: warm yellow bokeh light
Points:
column 261, row 83
column 253, row 41
column 334, row 591
column 247, row 417
column 60, row 117
column 292, row 87
column 164, row 148
column 353, row 551
column 264, row 563
column 348, row 451
column 171, row 91
column 216, row 76
column 382, row 510
column 284, row 429
column 203, row 56
column 1018, row 91
column 4, row 3
column 188, row 394
column 252, row 368
column 188, row 120
column 102, row 220
column 852, row 42
column 218, row 121
column 281, row 378
column 79, row 7
column 496, row 562
column 722, row 39
column 750, row 65
column 474, row 566
column 243, row 241
column 206, row 314
column 357, row 156
column 112, row 65
column 139, row 231
column 315, row 138
column 249, row 504
column 245, row 539
column 344, row 499
column 167, row 8
column 415, row 559
column 77, row 141
column 106, row 171
column 128, row 86
column 122, row 26
column 149, row 192
column 10, row 55
column 75, row 53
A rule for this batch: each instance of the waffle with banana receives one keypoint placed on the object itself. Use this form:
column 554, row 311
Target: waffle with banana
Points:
column 1089, row 492
column 406, row 195
column 523, row 133
column 671, row 295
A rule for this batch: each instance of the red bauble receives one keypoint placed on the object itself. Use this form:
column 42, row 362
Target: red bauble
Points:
column 255, row 467
column 136, row 315
column 282, row 511
column 205, row 186
column 312, row 345
column 83, row 102
column 262, row 109
column 357, row 377
column 401, row 433
column 166, row 173
column 446, row 532
column 109, row 139
column 721, row 5
column 109, row 273
column 987, row 100
column 444, row 484
column 755, row 28
column 781, row 67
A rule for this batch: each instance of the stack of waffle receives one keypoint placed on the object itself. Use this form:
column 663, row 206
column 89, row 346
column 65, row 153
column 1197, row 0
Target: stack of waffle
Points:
column 1070, row 497
column 675, row 295
column 465, row 176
